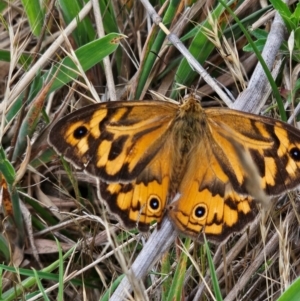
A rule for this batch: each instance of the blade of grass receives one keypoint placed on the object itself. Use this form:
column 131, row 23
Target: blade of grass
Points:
column 60, row 296
column 29, row 282
column 40, row 286
column 292, row 293
column 212, row 270
column 165, row 269
column 4, row 249
column 84, row 32
column 88, row 55
column 176, row 289
column 112, row 288
column 155, row 42
column 35, row 14
column 30, row 121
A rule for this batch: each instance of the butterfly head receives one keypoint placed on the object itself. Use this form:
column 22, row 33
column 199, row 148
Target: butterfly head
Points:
column 191, row 98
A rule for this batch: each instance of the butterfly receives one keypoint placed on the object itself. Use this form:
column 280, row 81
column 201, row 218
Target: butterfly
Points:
column 146, row 153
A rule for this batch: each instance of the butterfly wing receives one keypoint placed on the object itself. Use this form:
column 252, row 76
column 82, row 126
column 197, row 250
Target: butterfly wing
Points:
column 274, row 147
column 213, row 196
column 113, row 141
column 126, row 146
column 207, row 200
column 143, row 200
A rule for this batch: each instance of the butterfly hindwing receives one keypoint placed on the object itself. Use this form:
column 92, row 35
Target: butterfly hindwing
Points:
column 207, row 201
column 142, row 201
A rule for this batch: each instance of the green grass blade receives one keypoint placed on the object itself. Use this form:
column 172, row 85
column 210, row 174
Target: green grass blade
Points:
column 84, row 32
column 112, row 288
column 212, row 270
column 60, row 273
column 7, row 168
column 165, row 269
column 35, row 14
column 17, row 290
column 157, row 38
column 4, row 249
column 40, row 286
column 292, row 293
column 285, row 14
column 175, row 292
column 88, row 56
column 108, row 15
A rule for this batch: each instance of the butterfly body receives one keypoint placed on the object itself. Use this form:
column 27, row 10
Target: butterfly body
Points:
column 147, row 153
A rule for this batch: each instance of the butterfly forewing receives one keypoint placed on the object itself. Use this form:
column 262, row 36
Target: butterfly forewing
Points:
column 274, row 147
column 113, row 141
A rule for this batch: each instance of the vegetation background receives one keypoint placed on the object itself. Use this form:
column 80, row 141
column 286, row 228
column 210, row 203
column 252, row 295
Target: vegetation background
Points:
column 57, row 56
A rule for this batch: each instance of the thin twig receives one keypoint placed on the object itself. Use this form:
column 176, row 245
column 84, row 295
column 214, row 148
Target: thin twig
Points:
column 106, row 61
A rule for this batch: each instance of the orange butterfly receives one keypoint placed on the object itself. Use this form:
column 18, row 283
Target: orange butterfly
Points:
column 145, row 153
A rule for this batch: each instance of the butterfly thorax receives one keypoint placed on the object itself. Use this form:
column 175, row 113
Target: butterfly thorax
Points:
column 189, row 127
